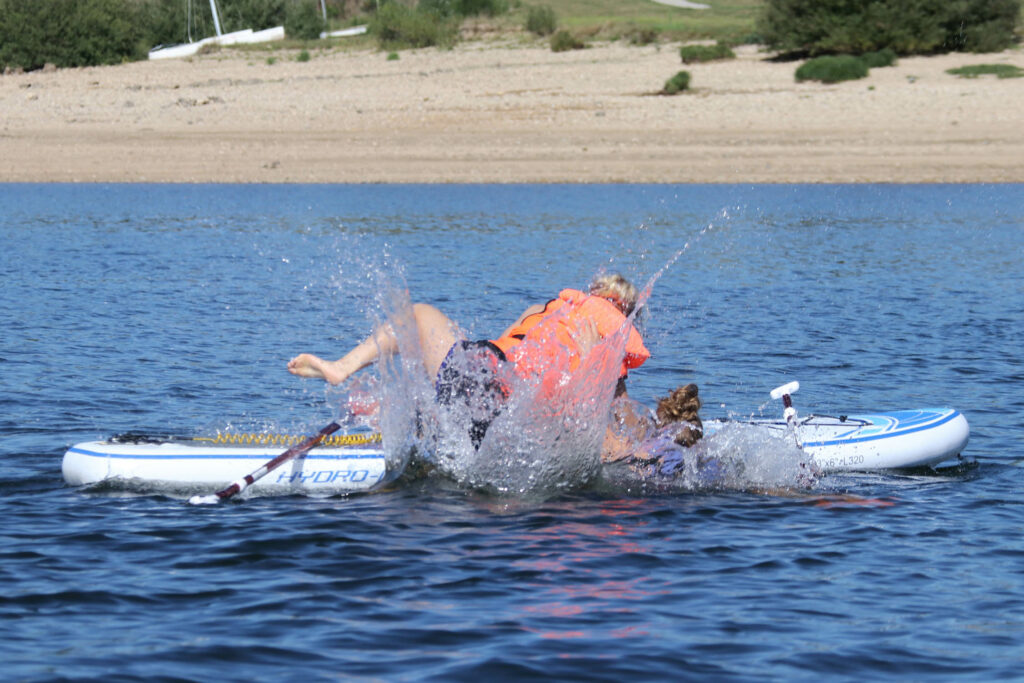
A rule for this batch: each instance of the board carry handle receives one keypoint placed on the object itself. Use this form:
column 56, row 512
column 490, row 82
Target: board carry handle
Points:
column 785, row 392
column 240, row 485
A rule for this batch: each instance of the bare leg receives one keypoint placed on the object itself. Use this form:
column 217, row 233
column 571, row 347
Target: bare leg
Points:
column 437, row 334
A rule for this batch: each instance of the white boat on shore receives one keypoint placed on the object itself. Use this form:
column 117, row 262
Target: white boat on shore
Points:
column 346, row 32
column 245, row 36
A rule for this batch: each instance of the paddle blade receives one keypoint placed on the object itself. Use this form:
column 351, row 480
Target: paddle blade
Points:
column 785, row 390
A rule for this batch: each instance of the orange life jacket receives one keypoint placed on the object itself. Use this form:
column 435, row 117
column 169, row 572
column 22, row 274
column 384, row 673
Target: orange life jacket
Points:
column 544, row 340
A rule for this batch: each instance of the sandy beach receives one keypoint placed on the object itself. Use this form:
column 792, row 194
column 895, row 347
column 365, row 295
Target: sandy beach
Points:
column 508, row 112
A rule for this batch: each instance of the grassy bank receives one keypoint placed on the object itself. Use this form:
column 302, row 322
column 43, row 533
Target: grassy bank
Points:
column 732, row 20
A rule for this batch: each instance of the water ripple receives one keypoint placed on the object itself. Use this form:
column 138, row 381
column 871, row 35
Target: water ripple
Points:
column 173, row 309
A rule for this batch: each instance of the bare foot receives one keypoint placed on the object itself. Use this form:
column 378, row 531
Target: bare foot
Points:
column 307, row 365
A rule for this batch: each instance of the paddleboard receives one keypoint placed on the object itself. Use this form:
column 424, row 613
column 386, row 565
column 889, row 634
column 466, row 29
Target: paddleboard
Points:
column 192, row 464
column 877, row 441
column 356, row 462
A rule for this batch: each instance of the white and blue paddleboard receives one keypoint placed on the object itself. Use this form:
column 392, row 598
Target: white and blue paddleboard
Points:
column 356, row 462
column 190, row 464
column 877, row 441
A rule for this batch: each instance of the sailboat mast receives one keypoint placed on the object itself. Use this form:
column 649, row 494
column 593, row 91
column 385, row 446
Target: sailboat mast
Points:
column 216, row 18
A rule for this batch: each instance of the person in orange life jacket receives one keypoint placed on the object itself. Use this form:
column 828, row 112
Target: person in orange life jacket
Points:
column 547, row 336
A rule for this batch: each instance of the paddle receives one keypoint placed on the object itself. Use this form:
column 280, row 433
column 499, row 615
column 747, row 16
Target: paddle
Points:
column 246, row 481
column 789, row 413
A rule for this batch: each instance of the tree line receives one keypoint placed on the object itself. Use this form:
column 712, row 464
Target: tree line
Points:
column 69, row 33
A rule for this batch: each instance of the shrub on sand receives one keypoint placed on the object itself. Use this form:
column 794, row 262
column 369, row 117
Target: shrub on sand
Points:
column 998, row 70
column 692, row 54
column 677, row 84
column 397, row 26
column 875, row 60
column 832, row 69
column 564, row 41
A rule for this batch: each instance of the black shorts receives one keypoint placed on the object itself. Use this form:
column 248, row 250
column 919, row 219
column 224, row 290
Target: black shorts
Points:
column 470, row 377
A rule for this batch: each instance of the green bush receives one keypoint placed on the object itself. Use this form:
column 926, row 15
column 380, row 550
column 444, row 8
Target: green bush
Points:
column 832, row 69
column 254, row 14
column 981, row 25
column 472, row 8
column 643, row 36
column 541, row 21
column 677, row 84
column 70, row 32
column 691, row 54
column 442, row 8
column 998, row 70
column 341, row 9
column 165, row 23
column 397, row 26
column 563, row 41
column 463, row 8
column 819, row 27
column 881, row 58
column 304, row 21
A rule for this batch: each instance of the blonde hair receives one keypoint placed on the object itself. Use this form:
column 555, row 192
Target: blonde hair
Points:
column 618, row 289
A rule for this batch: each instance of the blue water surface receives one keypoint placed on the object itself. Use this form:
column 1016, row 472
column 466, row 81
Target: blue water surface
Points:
column 174, row 308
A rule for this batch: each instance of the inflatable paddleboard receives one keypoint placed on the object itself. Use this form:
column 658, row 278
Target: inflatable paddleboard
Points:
column 878, row 441
column 193, row 464
column 353, row 462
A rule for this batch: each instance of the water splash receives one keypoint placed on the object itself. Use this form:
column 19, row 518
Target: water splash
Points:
column 406, row 392
column 548, row 437
column 734, row 457
column 544, row 437
column 541, row 437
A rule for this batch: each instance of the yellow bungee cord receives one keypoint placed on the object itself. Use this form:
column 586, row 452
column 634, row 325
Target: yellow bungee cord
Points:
column 257, row 439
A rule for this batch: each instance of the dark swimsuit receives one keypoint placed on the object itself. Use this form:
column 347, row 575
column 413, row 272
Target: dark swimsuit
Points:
column 469, row 377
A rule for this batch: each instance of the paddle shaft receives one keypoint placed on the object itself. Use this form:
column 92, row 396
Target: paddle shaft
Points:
column 294, row 452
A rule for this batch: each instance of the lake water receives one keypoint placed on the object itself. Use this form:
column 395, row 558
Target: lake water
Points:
column 175, row 308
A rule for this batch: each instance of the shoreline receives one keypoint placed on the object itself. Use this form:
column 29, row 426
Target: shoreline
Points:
column 509, row 113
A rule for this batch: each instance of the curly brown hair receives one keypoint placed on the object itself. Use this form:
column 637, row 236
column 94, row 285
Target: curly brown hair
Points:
column 682, row 405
